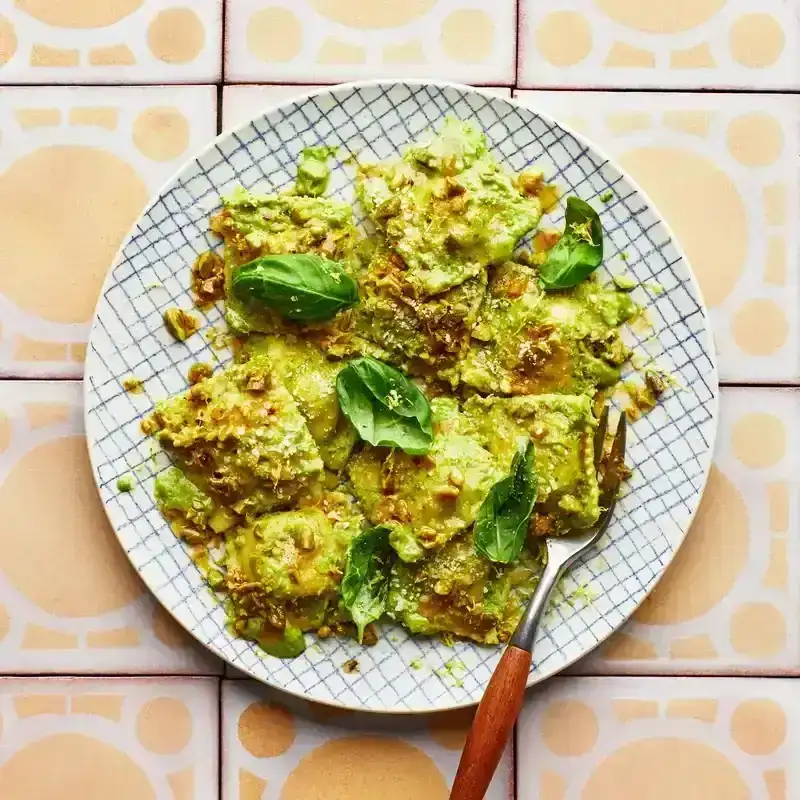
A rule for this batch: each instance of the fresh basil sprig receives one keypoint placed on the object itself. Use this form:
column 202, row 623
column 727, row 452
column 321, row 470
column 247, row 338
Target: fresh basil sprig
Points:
column 579, row 252
column 365, row 584
column 385, row 407
column 300, row 286
column 502, row 521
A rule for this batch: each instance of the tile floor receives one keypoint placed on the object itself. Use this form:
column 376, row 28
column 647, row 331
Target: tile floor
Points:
column 85, row 160
column 298, row 750
column 312, row 41
column 723, row 170
column 728, row 604
column 77, row 163
column 129, row 739
column 682, row 44
column 633, row 738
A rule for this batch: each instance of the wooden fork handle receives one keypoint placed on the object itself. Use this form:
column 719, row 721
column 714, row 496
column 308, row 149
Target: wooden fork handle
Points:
column 492, row 726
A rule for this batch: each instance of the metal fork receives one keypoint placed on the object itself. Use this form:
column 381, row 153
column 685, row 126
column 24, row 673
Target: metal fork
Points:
column 502, row 700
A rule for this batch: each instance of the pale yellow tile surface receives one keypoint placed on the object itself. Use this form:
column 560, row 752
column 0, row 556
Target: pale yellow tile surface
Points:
column 77, row 166
column 111, row 739
column 241, row 103
column 729, row 602
column 316, row 41
column 657, row 738
column 69, row 600
column 110, row 41
column 279, row 746
column 692, row 44
column 723, row 170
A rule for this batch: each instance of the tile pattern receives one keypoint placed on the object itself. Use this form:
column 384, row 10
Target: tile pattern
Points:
column 122, row 739
column 723, row 170
column 727, row 604
column 69, row 600
column 76, row 168
column 680, row 44
column 110, row 41
column 240, row 103
column 627, row 739
column 316, row 41
column 277, row 746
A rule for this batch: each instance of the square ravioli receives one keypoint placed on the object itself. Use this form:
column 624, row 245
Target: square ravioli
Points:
column 425, row 336
column 457, row 591
column 282, row 571
column 240, row 437
column 426, row 500
column 562, row 429
column 258, row 225
column 311, row 380
column 447, row 208
column 297, row 553
column 530, row 341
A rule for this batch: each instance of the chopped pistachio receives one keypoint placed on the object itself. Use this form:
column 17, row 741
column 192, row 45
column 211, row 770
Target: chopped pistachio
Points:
column 624, row 282
column 208, row 278
column 133, row 385
column 350, row 666
column 583, row 595
column 656, row 382
column 199, row 372
column 125, row 483
column 180, row 324
column 215, row 578
column 654, row 287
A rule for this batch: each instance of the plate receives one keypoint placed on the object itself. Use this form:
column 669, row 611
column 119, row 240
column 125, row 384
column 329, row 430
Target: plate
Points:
column 669, row 449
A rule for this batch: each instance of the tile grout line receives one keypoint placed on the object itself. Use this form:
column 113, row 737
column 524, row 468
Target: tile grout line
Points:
column 220, row 750
column 517, row 46
column 728, row 90
column 204, row 676
column 220, row 98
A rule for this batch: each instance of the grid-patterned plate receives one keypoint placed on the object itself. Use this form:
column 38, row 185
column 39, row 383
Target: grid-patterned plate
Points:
column 670, row 449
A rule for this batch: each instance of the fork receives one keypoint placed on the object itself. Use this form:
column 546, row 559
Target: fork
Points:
column 498, row 710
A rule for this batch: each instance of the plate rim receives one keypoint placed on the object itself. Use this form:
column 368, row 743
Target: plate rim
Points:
column 712, row 405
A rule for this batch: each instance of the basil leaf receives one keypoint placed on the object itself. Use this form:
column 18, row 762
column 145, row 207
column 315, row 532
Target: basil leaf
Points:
column 300, row 286
column 385, row 407
column 579, row 252
column 502, row 521
column 365, row 584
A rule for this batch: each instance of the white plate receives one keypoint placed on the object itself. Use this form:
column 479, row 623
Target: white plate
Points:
column 670, row 449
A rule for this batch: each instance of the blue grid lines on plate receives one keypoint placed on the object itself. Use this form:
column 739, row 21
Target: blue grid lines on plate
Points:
column 670, row 448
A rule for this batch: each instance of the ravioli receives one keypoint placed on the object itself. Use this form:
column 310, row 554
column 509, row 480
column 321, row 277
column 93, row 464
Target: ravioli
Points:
column 447, row 209
column 272, row 482
column 425, row 336
column 285, row 568
column 426, row 500
column 562, row 429
column 258, row 225
column 311, row 380
column 457, row 591
column 297, row 553
column 241, row 437
column 529, row 341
